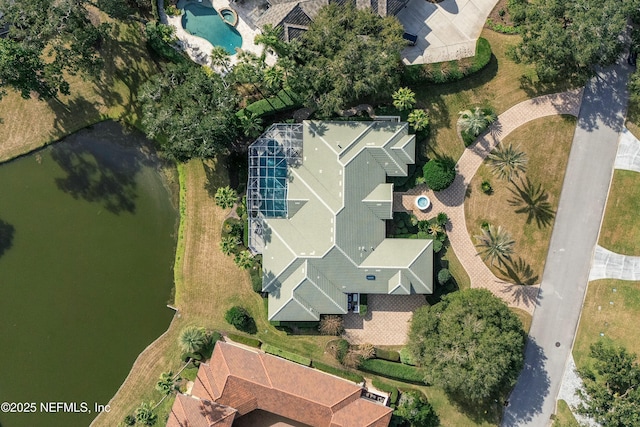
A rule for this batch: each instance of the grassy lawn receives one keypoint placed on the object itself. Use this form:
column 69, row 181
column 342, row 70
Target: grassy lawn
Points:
column 501, row 84
column 126, row 65
column 616, row 321
column 564, row 417
column 457, row 270
column 547, row 142
column 524, row 317
column 617, row 232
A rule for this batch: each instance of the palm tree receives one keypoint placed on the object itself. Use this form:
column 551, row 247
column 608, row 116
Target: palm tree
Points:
column 192, row 339
column 228, row 244
column 495, row 244
column 273, row 78
column 435, row 229
column 166, row 383
column 404, row 98
column 220, row 58
column 145, row 415
column 244, row 259
column 251, row 124
column 225, row 197
column 507, row 162
column 532, row 200
column 475, row 121
column 270, row 38
column 418, row 119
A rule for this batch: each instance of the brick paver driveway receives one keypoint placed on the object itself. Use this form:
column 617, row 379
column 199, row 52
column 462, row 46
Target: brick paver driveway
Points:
column 451, row 200
column 386, row 322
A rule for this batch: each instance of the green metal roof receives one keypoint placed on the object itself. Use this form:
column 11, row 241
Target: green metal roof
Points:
column 333, row 240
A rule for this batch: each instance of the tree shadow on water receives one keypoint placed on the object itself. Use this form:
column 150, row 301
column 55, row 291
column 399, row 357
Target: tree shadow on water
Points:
column 7, row 232
column 98, row 170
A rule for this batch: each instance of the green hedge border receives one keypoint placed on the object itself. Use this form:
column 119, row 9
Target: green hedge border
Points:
column 390, row 355
column 356, row 378
column 252, row 342
column 271, row 349
column 393, row 390
column 393, row 370
column 432, row 73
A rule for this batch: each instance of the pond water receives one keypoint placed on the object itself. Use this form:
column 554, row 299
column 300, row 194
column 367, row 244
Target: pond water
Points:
column 87, row 241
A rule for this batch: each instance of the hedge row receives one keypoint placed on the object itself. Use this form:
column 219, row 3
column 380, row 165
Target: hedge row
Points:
column 442, row 72
column 396, row 371
column 338, row 372
column 390, row 355
column 267, row 348
column 252, row 342
column 380, row 385
column 406, row 357
column 284, row 101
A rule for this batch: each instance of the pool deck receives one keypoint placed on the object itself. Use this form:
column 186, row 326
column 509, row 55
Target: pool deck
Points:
column 199, row 49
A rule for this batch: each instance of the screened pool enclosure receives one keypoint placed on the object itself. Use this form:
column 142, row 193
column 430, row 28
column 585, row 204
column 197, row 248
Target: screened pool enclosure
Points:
column 270, row 155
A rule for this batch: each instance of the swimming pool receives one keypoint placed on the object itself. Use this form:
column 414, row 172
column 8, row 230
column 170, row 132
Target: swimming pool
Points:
column 203, row 21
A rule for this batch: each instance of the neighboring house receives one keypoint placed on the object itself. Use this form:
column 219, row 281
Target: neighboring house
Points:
column 318, row 202
column 237, row 381
column 295, row 16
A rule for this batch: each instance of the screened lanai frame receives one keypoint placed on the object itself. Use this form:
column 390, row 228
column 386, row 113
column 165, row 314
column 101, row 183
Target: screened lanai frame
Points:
column 270, row 157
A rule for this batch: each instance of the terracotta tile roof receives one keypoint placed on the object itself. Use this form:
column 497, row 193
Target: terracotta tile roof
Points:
column 361, row 412
column 247, row 380
column 193, row 412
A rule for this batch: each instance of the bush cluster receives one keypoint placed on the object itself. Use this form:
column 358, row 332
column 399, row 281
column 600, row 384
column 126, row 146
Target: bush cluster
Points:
column 241, row 319
column 442, row 72
column 396, row 371
column 439, row 173
column 406, row 357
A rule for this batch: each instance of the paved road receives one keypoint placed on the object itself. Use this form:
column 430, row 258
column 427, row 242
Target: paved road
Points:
column 574, row 237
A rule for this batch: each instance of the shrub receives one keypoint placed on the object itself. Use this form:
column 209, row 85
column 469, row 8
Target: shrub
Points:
column 338, row 372
column 486, row 187
column 129, row 420
column 415, row 409
column 353, row 359
column 241, row 319
column 367, row 350
column 255, row 272
column 331, row 325
column 251, row 342
column 437, row 246
column 364, row 300
column 444, row 275
column 382, row 386
column 396, row 371
column 267, row 348
column 406, row 357
column 390, row 355
column 439, row 173
column 363, row 310
column 341, row 349
column 160, row 38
